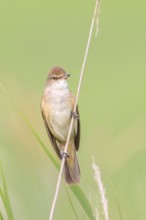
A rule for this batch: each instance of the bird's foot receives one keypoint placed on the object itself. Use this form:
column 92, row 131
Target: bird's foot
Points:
column 64, row 154
column 74, row 115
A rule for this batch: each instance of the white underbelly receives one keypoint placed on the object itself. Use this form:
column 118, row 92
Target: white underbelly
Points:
column 60, row 122
column 60, row 109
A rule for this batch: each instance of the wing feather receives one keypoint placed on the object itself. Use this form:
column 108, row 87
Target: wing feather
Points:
column 77, row 136
column 51, row 137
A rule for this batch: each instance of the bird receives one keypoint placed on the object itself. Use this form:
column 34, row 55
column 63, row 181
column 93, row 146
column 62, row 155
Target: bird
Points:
column 57, row 106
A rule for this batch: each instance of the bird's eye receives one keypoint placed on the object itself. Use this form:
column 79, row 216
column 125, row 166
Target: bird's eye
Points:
column 55, row 78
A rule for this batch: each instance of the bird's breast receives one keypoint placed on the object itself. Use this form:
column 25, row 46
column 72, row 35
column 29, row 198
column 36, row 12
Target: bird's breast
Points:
column 60, row 115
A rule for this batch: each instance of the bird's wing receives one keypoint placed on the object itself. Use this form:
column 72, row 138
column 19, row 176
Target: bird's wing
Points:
column 77, row 136
column 51, row 136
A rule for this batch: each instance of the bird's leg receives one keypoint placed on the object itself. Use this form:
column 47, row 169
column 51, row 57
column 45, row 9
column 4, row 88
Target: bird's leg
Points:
column 74, row 115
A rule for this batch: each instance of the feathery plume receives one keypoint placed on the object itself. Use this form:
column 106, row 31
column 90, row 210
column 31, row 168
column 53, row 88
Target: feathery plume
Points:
column 98, row 180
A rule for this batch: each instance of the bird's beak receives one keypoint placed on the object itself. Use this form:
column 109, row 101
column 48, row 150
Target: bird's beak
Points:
column 66, row 75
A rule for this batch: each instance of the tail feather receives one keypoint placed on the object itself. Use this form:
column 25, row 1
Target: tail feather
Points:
column 72, row 169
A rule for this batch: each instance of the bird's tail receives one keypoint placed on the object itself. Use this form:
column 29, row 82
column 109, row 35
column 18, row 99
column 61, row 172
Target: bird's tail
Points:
column 71, row 168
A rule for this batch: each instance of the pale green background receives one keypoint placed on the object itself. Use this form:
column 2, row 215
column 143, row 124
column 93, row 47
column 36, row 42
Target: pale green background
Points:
column 36, row 35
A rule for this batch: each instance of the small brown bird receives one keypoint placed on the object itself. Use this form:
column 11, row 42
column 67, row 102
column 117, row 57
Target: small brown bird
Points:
column 57, row 108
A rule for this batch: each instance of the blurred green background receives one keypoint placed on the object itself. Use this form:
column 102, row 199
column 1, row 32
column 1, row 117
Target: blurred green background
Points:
column 36, row 35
